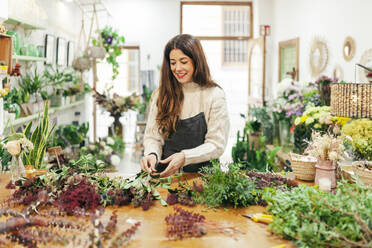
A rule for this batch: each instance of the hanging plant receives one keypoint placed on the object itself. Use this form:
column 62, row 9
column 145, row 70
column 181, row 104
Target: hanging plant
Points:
column 112, row 42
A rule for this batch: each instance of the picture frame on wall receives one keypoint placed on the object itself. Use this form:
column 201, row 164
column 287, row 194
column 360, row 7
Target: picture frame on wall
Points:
column 49, row 49
column 61, row 58
column 70, row 53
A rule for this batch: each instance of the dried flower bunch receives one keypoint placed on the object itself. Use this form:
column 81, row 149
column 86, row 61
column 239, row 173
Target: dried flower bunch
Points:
column 186, row 224
column 117, row 105
column 326, row 147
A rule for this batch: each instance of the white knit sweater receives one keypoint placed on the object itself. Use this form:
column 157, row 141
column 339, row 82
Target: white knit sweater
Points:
column 212, row 102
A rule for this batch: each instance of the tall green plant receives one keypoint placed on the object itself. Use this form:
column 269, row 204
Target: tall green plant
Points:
column 39, row 137
column 253, row 158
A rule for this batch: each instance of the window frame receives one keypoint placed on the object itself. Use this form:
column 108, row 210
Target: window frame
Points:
column 223, row 4
column 283, row 44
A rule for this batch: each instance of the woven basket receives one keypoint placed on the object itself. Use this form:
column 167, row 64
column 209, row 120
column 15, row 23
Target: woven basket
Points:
column 362, row 172
column 351, row 100
column 303, row 170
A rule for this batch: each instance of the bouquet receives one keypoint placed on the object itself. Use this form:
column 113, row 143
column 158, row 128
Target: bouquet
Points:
column 326, row 147
column 360, row 137
column 117, row 105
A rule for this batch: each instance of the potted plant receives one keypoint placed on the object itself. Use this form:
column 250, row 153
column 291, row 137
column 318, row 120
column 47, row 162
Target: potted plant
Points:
column 116, row 105
column 113, row 43
column 328, row 149
column 39, row 137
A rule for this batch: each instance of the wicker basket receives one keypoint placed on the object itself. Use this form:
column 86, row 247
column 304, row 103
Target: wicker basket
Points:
column 351, row 100
column 303, row 167
column 362, row 172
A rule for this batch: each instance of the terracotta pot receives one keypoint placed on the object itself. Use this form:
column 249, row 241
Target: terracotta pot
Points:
column 325, row 169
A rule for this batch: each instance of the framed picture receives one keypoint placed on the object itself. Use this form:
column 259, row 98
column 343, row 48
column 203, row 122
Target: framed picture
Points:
column 49, row 49
column 61, row 58
column 70, row 53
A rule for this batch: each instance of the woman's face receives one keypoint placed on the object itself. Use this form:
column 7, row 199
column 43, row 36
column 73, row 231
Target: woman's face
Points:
column 181, row 66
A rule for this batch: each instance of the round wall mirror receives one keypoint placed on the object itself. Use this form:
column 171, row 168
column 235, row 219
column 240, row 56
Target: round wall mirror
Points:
column 318, row 57
column 349, row 48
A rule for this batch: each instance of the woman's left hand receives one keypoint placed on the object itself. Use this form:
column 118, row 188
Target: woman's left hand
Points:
column 175, row 161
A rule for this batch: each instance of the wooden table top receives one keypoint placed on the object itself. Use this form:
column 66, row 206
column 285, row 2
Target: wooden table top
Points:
column 151, row 233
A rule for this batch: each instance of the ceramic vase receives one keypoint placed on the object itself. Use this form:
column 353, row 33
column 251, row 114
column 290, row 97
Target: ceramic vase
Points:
column 325, row 169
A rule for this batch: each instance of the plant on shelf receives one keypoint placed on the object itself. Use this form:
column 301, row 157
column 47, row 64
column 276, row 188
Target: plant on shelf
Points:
column 39, row 137
column 113, row 44
column 32, row 83
column 263, row 116
column 70, row 134
column 360, row 132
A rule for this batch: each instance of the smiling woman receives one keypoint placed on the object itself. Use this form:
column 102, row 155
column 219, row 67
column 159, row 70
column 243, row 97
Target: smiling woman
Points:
column 188, row 122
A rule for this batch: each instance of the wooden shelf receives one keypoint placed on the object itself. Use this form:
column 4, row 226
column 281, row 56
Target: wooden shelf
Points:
column 29, row 118
column 6, row 51
column 28, row 58
column 23, row 24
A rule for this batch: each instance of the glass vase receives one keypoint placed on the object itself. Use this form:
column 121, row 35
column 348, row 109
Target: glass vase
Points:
column 286, row 137
column 17, row 169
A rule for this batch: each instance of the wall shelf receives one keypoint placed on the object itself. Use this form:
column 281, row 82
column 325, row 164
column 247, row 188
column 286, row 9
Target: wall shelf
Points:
column 23, row 24
column 29, row 118
column 28, row 58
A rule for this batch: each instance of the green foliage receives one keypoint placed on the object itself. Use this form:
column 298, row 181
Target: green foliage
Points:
column 5, row 158
column 257, row 158
column 146, row 96
column 317, row 219
column 118, row 145
column 87, row 164
column 69, row 134
column 39, row 137
column 229, row 188
column 32, row 83
column 13, row 101
column 113, row 43
column 302, row 133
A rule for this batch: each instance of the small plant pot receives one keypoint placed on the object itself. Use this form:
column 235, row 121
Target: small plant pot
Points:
column 56, row 101
column 95, row 52
column 325, row 169
column 81, row 64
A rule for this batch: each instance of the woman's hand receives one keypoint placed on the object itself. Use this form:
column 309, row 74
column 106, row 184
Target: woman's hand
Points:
column 176, row 161
column 148, row 163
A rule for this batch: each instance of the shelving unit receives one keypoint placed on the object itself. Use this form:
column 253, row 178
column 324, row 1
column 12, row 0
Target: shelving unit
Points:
column 28, row 58
column 23, row 24
column 6, row 50
column 51, row 111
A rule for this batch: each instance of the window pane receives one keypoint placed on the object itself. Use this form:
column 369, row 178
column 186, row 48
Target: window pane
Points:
column 216, row 20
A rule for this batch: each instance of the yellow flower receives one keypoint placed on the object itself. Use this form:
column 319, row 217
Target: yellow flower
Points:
column 303, row 118
column 317, row 125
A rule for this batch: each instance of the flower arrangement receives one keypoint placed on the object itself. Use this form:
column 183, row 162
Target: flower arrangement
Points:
column 326, row 146
column 288, row 104
column 4, row 92
column 112, row 42
column 315, row 118
column 360, row 131
column 324, row 87
column 117, row 105
column 16, row 146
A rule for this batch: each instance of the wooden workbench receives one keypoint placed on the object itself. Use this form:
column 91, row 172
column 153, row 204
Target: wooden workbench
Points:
column 151, row 233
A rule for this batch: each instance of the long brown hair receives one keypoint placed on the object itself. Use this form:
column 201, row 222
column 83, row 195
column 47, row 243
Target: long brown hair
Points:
column 170, row 97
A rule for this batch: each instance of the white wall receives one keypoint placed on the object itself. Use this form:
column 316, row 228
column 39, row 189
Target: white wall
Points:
column 332, row 20
column 149, row 24
column 3, row 10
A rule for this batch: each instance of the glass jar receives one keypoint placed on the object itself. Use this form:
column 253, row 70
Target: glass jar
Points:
column 17, row 169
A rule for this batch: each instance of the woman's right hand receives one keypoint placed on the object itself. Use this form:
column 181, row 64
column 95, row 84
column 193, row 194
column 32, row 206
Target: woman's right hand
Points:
column 148, row 163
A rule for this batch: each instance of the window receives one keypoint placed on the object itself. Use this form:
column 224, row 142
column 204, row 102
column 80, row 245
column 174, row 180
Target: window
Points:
column 227, row 21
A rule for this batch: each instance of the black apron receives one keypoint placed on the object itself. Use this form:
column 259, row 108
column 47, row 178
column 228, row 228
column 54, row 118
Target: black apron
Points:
column 189, row 134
